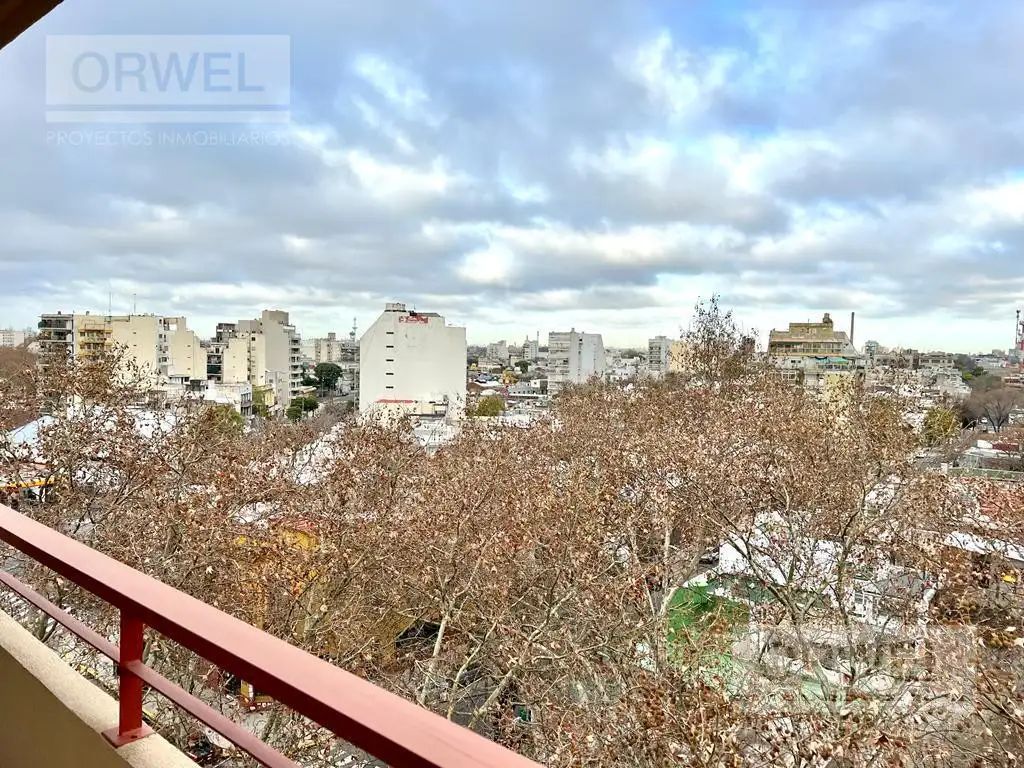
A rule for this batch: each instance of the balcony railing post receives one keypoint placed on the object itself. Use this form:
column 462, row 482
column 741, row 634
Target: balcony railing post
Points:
column 130, row 725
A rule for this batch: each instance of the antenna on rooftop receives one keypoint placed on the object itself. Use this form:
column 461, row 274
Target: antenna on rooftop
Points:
column 352, row 333
column 134, row 305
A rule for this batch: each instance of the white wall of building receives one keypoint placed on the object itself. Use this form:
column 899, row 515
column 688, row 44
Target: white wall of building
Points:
column 143, row 340
column 236, row 361
column 11, row 338
column 185, row 350
column 411, row 360
column 573, row 358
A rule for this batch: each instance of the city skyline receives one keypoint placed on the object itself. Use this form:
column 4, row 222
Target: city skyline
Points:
column 599, row 165
column 206, row 328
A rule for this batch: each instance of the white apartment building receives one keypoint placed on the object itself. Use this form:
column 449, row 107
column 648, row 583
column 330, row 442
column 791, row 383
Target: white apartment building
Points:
column 412, row 362
column 531, row 349
column 186, row 354
column 264, row 352
column 658, row 355
column 11, row 338
column 574, row 357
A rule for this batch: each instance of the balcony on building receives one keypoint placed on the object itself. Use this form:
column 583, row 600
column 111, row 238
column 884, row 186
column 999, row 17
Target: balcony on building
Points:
column 56, row 322
column 53, row 716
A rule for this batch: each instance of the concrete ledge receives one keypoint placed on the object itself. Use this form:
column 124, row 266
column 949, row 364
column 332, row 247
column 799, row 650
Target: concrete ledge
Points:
column 52, row 716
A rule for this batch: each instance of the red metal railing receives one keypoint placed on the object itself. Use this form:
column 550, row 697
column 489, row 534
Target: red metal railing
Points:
column 384, row 725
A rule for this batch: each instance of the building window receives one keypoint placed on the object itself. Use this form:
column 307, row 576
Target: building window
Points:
column 389, row 360
column 389, row 387
column 389, row 373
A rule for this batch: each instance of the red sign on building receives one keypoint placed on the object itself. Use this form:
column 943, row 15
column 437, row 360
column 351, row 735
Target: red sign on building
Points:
column 419, row 319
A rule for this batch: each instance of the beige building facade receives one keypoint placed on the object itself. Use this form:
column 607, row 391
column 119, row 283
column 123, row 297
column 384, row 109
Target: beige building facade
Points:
column 266, row 352
column 810, row 339
column 161, row 349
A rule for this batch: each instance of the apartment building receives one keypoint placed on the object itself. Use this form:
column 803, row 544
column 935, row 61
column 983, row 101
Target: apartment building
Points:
column 936, row 362
column 161, row 348
column 897, row 358
column 56, row 336
column 330, row 349
column 531, row 349
column 498, row 350
column 412, row 362
column 810, row 339
column 186, row 355
column 574, row 357
column 266, row 352
column 658, row 350
column 343, row 353
column 817, row 357
column 11, row 338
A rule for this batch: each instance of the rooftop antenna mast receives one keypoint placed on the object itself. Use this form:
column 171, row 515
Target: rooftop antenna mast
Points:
column 1018, row 341
column 352, row 333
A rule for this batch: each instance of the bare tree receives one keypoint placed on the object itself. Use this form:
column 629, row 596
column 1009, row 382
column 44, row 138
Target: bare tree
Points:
column 994, row 405
column 715, row 350
column 16, row 367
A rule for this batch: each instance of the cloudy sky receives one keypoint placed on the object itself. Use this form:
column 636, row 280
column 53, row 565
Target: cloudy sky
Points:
column 544, row 164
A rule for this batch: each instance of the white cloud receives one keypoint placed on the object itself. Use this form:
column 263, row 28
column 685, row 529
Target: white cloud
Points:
column 400, row 88
column 401, row 183
column 642, row 156
column 678, row 80
column 492, row 265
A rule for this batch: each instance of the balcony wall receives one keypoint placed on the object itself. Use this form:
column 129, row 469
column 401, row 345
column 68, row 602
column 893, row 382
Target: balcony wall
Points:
column 50, row 716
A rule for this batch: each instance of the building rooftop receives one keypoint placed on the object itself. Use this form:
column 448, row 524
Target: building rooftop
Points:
column 797, row 332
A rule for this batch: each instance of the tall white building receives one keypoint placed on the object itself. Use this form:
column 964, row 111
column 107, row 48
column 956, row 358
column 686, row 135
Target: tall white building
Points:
column 573, row 358
column 531, row 349
column 412, row 362
column 11, row 338
column 658, row 355
column 185, row 352
column 266, row 352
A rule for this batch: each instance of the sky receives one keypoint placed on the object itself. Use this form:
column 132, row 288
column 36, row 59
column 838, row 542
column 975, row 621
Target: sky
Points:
column 544, row 165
